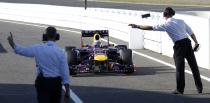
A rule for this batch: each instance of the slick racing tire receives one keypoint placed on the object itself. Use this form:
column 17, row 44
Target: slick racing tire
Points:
column 72, row 59
column 121, row 47
column 126, row 56
column 72, row 71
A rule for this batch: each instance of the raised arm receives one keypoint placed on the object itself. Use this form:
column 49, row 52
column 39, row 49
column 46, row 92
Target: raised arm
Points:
column 143, row 27
column 24, row 51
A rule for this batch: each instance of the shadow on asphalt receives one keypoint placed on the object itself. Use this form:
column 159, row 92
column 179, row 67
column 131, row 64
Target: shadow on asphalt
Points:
column 2, row 49
column 153, row 70
column 25, row 93
column 17, row 93
column 115, row 95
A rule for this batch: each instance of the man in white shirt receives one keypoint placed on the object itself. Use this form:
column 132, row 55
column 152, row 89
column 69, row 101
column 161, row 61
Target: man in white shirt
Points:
column 51, row 65
column 178, row 31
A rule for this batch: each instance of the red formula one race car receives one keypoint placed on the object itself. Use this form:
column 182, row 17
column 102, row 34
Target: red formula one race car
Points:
column 99, row 58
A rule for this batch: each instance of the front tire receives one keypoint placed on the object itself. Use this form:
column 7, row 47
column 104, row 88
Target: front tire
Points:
column 72, row 59
column 126, row 56
column 121, row 47
column 127, row 59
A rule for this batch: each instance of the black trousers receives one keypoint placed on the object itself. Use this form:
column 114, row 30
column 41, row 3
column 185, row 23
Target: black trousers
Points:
column 48, row 89
column 183, row 49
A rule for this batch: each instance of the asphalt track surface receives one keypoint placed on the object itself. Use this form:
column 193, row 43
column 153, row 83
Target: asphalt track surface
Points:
column 152, row 82
column 92, row 3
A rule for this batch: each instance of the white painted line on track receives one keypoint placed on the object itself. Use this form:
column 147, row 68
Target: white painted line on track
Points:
column 74, row 97
column 138, row 53
column 168, row 64
column 162, row 62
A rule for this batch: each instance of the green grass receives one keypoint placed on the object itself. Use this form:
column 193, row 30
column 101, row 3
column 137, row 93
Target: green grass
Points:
column 174, row 2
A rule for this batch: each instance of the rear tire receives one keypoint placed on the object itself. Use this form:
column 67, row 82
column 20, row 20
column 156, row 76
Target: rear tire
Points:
column 72, row 59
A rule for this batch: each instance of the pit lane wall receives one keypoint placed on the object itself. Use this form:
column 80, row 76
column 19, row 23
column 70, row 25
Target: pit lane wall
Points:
column 116, row 21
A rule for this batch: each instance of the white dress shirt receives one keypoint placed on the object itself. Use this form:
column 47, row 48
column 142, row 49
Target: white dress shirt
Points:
column 177, row 29
column 50, row 59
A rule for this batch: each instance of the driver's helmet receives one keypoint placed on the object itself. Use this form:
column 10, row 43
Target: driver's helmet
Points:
column 97, row 41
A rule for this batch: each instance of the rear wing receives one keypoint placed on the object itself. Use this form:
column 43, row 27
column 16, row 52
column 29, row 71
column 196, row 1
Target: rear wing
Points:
column 91, row 33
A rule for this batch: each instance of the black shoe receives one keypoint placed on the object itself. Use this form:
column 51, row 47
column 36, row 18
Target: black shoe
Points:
column 199, row 90
column 177, row 92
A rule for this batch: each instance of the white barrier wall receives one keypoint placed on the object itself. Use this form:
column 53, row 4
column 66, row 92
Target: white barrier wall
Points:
column 73, row 17
column 115, row 20
column 153, row 40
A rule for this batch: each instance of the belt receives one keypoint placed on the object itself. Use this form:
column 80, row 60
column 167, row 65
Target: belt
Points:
column 42, row 77
column 42, row 82
column 182, row 40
